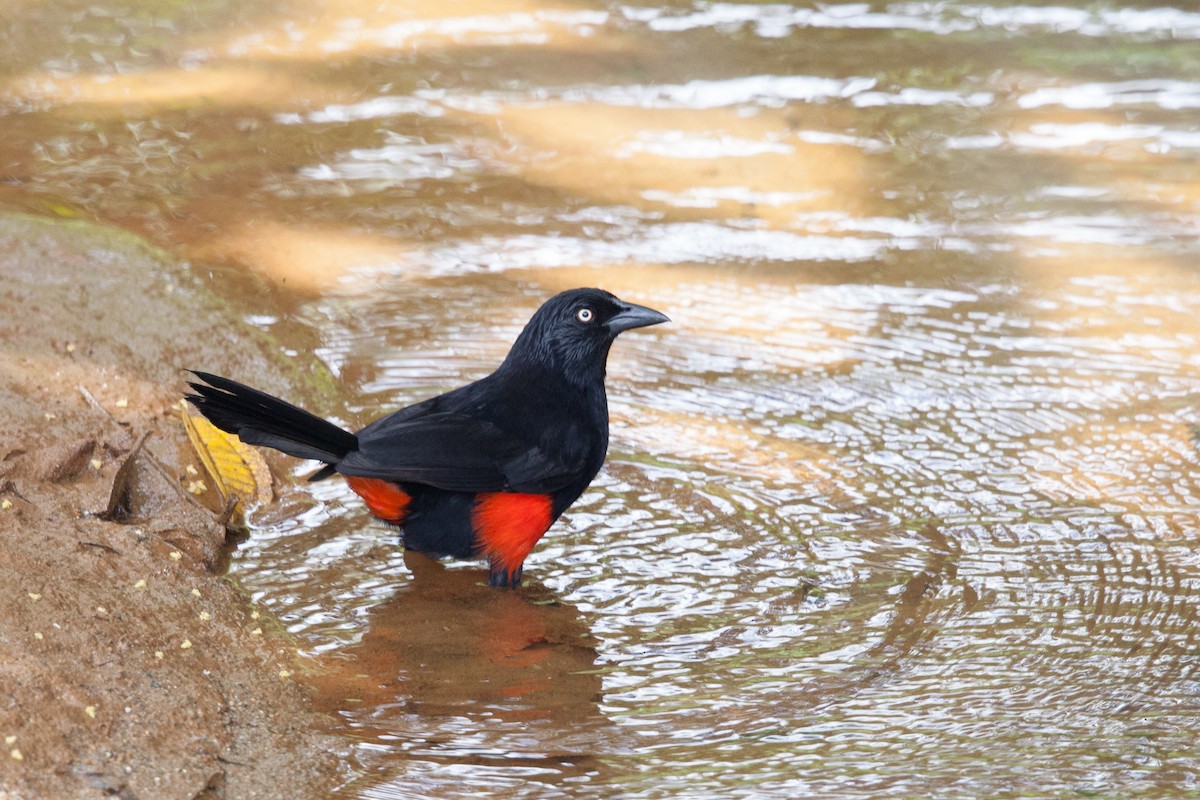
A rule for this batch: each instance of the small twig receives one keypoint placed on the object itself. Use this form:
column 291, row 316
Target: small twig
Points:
column 99, row 545
column 8, row 487
column 95, row 404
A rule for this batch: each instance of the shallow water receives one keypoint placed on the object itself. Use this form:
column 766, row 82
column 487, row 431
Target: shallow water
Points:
column 902, row 503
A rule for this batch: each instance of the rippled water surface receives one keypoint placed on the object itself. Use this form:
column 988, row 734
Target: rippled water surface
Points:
column 903, row 503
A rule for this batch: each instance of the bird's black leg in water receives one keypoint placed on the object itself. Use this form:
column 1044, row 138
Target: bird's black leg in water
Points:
column 499, row 576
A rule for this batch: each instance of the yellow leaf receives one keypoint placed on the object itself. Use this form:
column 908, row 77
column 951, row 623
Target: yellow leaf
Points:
column 236, row 468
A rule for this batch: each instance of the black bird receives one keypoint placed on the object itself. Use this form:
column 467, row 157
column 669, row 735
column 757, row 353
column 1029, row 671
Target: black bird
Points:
column 483, row 470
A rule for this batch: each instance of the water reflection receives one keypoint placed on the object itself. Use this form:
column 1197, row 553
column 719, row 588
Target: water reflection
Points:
column 446, row 655
column 446, row 646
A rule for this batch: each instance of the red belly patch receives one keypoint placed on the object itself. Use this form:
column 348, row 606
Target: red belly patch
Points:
column 385, row 499
column 509, row 525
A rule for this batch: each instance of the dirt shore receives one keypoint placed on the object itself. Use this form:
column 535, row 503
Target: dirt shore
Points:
column 128, row 666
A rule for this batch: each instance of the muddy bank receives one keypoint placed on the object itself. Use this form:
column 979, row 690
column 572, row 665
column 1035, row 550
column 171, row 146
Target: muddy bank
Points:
column 128, row 666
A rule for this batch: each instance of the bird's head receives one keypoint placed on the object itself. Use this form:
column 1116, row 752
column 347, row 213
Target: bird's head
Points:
column 574, row 330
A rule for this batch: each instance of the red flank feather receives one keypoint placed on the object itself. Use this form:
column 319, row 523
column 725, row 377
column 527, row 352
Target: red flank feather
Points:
column 385, row 499
column 509, row 525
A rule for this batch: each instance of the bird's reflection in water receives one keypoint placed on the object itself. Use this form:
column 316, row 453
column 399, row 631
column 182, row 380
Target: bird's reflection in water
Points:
column 451, row 670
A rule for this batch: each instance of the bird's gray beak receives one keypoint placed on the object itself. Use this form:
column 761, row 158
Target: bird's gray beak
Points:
column 634, row 316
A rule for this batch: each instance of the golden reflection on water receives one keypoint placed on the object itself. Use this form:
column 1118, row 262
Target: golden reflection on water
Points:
column 90, row 96
column 305, row 259
column 683, row 163
column 901, row 504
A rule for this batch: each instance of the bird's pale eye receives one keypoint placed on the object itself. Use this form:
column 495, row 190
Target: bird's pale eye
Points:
column 584, row 315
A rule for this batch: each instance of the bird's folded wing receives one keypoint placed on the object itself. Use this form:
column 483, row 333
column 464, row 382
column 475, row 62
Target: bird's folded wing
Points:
column 454, row 452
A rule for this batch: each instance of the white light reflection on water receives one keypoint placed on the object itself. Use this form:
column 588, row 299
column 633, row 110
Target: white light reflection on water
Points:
column 779, row 20
column 1166, row 94
column 399, row 159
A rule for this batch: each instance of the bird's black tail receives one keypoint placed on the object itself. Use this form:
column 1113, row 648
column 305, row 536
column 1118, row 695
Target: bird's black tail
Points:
column 258, row 418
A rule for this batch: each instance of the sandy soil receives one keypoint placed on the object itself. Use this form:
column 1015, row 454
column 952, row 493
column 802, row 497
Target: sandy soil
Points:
column 128, row 666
